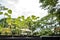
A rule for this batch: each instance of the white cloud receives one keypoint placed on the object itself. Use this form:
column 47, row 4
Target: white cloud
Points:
column 25, row 7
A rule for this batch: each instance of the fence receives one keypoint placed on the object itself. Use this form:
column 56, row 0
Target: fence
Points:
column 30, row 38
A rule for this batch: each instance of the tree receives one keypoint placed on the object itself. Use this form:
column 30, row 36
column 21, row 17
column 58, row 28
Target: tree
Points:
column 52, row 6
column 48, row 3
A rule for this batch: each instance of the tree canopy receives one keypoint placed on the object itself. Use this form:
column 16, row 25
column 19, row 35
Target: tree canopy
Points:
column 53, row 7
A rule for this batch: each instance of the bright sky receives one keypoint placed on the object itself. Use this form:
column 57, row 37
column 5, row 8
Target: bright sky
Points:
column 24, row 7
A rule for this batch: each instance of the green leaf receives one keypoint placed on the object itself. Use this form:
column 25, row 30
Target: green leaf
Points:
column 10, row 11
column 6, row 14
column 34, row 17
column 8, row 21
column 5, row 9
column 1, row 13
column 1, row 29
column 28, row 19
column 9, row 16
column 19, row 17
column 22, row 17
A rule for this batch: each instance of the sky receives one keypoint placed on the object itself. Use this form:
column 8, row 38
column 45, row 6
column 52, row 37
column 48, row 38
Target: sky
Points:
column 24, row 7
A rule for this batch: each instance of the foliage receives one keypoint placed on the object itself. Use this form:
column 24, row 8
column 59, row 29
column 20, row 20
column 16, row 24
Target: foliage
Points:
column 14, row 26
column 52, row 6
column 30, row 25
column 9, row 11
column 53, row 12
column 48, row 3
column 1, row 13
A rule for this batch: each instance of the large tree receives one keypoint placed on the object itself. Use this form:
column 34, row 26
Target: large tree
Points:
column 53, row 8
